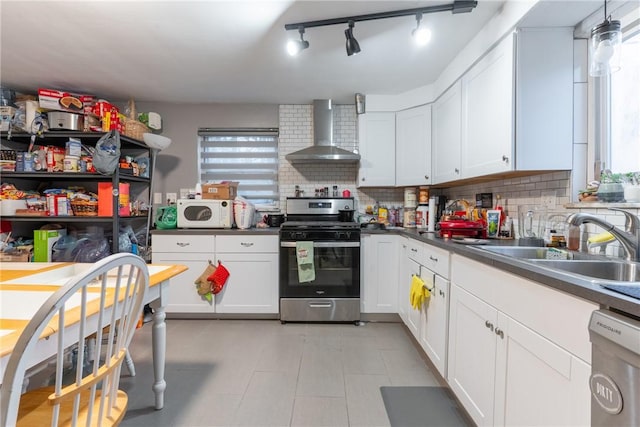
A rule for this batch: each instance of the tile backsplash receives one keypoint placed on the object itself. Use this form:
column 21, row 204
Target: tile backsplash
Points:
column 553, row 189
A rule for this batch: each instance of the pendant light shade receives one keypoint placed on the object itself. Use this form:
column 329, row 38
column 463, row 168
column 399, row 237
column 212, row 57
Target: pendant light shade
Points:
column 604, row 47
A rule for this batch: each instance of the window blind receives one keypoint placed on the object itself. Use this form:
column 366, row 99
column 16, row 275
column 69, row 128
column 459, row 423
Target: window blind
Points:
column 249, row 156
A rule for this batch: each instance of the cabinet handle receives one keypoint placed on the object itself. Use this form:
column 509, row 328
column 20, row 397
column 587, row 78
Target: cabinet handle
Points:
column 441, row 293
column 432, row 258
column 414, row 250
column 488, row 325
column 246, row 244
column 363, row 178
column 500, row 333
column 456, row 170
column 426, row 177
column 182, row 245
column 505, row 159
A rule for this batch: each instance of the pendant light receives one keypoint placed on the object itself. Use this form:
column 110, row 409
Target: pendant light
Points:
column 604, row 47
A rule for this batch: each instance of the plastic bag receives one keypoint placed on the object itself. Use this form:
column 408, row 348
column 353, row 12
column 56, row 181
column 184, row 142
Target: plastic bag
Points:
column 107, row 153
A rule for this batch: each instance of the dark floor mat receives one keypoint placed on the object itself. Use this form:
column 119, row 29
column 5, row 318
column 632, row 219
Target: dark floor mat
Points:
column 421, row 407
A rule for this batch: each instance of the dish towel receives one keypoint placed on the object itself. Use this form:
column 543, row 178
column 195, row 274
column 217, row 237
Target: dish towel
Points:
column 306, row 267
column 420, row 291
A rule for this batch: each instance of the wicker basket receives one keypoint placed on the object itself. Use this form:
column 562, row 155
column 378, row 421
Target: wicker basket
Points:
column 134, row 129
column 84, row 208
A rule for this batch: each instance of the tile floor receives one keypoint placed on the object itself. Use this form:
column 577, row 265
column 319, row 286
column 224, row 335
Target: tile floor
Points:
column 263, row 373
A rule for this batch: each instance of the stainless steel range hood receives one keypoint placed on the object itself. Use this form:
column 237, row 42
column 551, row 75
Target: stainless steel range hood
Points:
column 323, row 149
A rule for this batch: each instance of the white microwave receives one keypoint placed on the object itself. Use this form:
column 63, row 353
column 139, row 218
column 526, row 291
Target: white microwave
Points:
column 205, row 213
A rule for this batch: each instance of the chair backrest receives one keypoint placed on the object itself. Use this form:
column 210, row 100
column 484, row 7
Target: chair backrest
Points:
column 109, row 294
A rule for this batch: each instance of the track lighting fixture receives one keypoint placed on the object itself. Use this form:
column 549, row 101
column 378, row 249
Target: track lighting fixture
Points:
column 420, row 33
column 352, row 44
column 604, row 47
column 294, row 47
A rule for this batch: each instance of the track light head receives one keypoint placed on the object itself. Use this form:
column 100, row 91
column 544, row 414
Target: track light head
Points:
column 294, row 47
column 352, row 45
column 421, row 34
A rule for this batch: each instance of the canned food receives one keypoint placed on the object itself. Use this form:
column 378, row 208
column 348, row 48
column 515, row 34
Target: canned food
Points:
column 423, row 195
column 409, row 218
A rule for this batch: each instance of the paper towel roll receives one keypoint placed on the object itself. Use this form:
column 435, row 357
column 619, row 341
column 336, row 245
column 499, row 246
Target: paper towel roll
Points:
column 431, row 225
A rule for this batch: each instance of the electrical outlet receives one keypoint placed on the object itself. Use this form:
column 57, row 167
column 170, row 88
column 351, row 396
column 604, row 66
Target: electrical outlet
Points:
column 172, row 198
column 548, row 199
column 157, row 198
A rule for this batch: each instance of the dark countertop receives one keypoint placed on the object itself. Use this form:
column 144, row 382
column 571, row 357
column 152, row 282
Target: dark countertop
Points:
column 553, row 278
column 214, row 231
column 550, row 277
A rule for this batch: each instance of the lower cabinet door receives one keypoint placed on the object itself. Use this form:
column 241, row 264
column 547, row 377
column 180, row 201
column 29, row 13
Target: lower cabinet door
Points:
column 543, row 384
column 183, row 296
column 434, row 323
column 252, row 286
column 472, row 353
column 413, row 315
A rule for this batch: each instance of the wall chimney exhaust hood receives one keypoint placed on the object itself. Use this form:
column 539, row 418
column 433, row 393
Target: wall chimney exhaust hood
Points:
column 323, row 148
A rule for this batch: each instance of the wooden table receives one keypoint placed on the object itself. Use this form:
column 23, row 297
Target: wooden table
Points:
column 24, row 286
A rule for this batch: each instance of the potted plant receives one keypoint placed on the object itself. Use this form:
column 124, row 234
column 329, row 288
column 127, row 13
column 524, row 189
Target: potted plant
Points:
column 610, row 189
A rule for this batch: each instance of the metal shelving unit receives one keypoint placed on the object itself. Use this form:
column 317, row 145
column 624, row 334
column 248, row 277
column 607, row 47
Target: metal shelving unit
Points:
column 20, row 142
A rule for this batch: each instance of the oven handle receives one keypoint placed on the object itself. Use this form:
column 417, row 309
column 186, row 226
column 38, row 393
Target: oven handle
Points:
column 324, row 244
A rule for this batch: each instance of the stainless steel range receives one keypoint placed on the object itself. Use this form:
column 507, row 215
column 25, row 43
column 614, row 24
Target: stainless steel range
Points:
column 333, row 295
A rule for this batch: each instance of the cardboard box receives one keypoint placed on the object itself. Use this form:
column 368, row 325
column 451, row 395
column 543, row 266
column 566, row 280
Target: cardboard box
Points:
column 52, row 99
column 105, row 199
column 43, row 241
column 223, row 191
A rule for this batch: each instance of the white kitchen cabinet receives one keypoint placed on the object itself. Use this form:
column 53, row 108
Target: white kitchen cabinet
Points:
column 403, row 279
column 379, row 284
column 471, row 359
column 377, row 142
column 413, row 146
column 487, row 113
column 509, row 363
column 434, row 317
column 193, row 251
column 252, row 261
column 446, row 135
column 512, row 111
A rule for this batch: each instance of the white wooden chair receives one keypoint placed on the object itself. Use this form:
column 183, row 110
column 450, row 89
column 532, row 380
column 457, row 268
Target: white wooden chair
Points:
column 92, row 397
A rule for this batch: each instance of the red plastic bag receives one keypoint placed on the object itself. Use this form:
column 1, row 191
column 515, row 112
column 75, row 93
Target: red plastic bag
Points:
column 218, row 278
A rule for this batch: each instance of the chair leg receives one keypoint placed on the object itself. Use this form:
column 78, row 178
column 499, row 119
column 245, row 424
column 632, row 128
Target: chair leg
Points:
column 130, row 366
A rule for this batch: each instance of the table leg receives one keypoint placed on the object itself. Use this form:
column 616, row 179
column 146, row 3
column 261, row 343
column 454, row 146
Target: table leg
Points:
column 159, row 340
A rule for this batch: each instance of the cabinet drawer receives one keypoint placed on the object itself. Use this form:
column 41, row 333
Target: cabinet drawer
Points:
column 415, row 250
column 239, row 244
column 436, row 259
column 184, row 243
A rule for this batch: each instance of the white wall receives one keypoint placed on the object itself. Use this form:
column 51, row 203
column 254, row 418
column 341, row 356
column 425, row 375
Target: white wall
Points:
column 177, row 166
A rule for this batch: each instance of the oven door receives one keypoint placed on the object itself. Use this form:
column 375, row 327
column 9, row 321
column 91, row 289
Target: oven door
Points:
column 337, row 270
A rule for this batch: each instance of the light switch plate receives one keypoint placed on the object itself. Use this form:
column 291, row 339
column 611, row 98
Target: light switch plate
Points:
column 157, row 198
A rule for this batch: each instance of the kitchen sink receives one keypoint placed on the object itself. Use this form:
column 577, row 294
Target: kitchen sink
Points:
column 535, row 252
column 610, row 270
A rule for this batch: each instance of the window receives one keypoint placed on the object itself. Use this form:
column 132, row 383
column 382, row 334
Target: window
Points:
column 625, row 101
column 249, row 156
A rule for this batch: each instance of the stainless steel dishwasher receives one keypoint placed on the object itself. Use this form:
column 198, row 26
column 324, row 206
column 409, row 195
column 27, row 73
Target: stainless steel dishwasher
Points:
column 615, row 369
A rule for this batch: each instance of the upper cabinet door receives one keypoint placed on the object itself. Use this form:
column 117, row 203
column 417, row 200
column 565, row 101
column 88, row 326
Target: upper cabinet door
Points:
column 488, row 113
column 377, row 140
column 413, row 146
column 446, row 124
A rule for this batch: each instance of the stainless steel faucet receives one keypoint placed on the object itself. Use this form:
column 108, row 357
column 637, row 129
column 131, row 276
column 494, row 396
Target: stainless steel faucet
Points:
column 629, row 238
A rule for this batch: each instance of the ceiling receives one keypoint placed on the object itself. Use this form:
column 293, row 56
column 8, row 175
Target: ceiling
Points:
column 225, row 51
